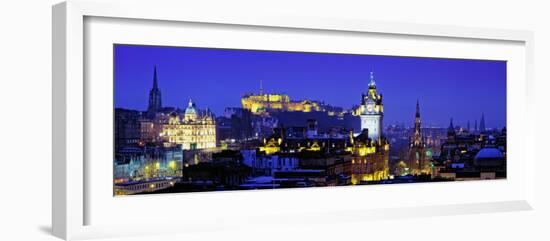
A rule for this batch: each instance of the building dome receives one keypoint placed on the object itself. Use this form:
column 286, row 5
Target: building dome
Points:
column 489, row 157
column 190, row 108
column 190, row 112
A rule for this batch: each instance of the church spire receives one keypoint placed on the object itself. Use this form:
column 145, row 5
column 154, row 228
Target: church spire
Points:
column 482, row 123
column 417, row 136
column 261, row 88
column 417, row 109
column 155, row 81
column 155, row 102
column 451, row 129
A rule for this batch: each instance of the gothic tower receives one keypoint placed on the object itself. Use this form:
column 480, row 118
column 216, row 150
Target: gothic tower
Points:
column 418, row 163
column 417, row 135
column 155, row 103
column 372, row 111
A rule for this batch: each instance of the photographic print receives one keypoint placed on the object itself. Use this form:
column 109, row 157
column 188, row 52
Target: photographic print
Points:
column 189, row 119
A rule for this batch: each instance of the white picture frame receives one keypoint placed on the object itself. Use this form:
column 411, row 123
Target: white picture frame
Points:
column 72, row 192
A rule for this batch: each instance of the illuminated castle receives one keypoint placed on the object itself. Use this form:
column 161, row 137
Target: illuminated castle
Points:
column 261, row 103
column 192, row 130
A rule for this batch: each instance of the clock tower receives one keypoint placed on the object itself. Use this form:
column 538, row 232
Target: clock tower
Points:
column 371, row 111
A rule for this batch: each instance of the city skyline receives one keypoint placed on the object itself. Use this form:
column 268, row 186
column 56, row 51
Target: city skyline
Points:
column 319, row 122
column 218, row 78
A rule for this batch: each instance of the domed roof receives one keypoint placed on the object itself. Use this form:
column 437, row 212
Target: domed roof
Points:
column 489, row 152
column 489, row 156
column 190, row 108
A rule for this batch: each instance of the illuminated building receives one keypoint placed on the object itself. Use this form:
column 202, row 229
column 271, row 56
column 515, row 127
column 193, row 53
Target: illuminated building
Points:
column 147, row 162
column 418, row 162
column 360, row 158
column 130, row 188
column 192, row 131
column 371, row 111
column 262, row 103
column 370, row 158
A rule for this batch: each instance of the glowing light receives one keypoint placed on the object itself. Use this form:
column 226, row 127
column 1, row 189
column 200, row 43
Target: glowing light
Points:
column 366, row 150
column 315, row 147
column 195, row 131
column 258, row 104
column 172, row 165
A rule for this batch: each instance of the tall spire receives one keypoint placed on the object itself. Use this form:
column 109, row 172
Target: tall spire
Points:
column 417, row 136
column 261, row 87
column 155, row 81
column 372, row 83
column 451, row 129
column 417, row 109
column 482, row 123
column 155, row 101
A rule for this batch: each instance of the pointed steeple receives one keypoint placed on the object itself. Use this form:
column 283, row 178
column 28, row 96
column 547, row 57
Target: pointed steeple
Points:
column 482, row 123
column 417, row 109
column 155, row 80
column 417, row 139
column 372, row 83
column 451, row 129
column 155, row 101
column 261, row 87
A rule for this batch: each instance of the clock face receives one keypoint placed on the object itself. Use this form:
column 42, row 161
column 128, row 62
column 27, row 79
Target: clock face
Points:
column 370, row 108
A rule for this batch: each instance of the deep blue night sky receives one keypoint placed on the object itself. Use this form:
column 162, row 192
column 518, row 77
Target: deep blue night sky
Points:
column 217, row 78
